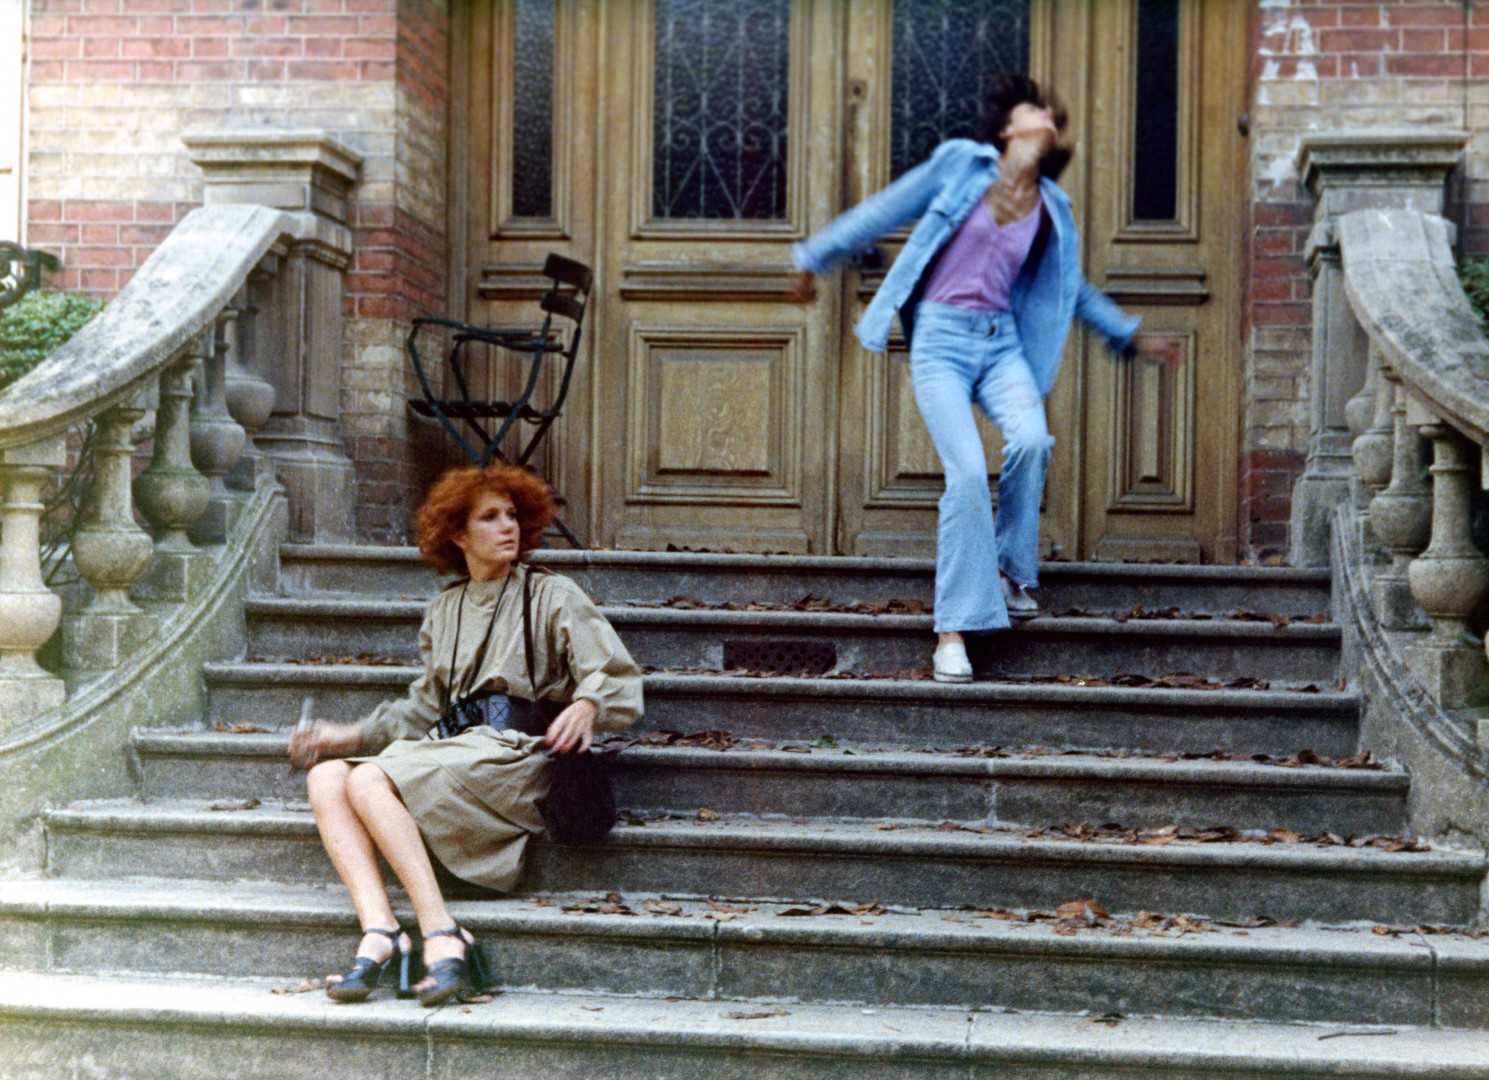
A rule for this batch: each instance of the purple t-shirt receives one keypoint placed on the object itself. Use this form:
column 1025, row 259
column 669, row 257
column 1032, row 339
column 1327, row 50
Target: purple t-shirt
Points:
column 983, row 259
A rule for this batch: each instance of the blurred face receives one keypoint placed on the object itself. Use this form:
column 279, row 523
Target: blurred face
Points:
column 1033, row 122
column 490, row 539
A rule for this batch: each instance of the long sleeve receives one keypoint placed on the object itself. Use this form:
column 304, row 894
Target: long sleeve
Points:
column 598, row 662
column 411, row 716
column 902, row 201
column 1098, row 311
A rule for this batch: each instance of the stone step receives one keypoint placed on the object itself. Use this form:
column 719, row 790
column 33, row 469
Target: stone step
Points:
column 713, row 640
column 626, row 577
column 739, row 856
column 1032, row 788
column 755, row 953
column 879, row 711
column 67, row 1025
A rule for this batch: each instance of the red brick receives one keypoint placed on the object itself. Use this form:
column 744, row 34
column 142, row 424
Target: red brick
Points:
column 323, row 70
column 1274, row 214
column 1359, row 16
column 99, row 71
column 100, row 234
column 209, row 71
column 211, row 48
column 1278, row 267
column 377, row 71
column 151, row 235
column 1425, row 64
column 269, row 46
column 1422, row 41
column 309, row 25
column 323, row 48
column 174, row 7
column 97, row 48
column 381, row 307
column 1273, row 242
column 48, row 71
column 155, row 48
column 156, row 71
column 1282, row 314
column 104, row 281
column 1445, row 14
column 85, row 257
column 50, row 233
column 44, row 210
column 380, row 25
column 1272, row 290
column 154, row 211
column 1478, row 66
column 98, row 210
column 1343, row 41
column 56, row 48
column 363, row 48
column 375, row 260
column 266, row 70
column 157, row 26
column 1359, row 65
column 198, row 25
column 47, row 25
column 324, row 7
column 101, row 26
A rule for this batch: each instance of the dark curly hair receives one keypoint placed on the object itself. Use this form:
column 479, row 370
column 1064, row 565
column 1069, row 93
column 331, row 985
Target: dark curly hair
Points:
column 447, row 508
column 1006, row 92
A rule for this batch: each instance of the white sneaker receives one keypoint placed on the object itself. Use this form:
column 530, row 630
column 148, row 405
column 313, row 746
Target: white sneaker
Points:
column 1018, row 601
column 951, row 663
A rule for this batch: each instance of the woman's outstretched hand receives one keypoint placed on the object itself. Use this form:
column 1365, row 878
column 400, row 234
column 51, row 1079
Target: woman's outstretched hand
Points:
column 1156, row 349
column 803, row 287
column 574, row 728
column 321, row 739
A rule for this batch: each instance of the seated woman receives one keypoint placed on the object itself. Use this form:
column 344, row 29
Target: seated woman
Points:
column 472, row 797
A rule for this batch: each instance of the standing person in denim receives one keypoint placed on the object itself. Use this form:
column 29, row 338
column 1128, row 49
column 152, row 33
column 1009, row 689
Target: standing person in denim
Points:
column 986, row 288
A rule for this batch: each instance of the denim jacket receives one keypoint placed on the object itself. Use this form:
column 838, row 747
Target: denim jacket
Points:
column 942, row 192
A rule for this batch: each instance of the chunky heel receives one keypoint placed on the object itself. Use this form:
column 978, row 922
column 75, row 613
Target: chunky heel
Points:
column 368, row 974
column 454, row 974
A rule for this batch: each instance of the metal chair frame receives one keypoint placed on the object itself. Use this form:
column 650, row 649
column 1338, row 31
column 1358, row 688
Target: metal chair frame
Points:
column 566, row 299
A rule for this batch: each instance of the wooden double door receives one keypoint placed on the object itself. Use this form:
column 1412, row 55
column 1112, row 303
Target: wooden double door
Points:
column 681, row 146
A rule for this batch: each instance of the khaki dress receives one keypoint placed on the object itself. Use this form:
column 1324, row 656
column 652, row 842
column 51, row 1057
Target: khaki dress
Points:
column 475, row 796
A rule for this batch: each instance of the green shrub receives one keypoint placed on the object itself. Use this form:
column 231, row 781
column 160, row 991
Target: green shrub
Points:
column 1474, row 275
column 35, row 326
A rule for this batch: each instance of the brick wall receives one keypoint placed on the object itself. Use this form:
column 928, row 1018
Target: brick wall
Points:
column 113, row 84
column 1324, row 65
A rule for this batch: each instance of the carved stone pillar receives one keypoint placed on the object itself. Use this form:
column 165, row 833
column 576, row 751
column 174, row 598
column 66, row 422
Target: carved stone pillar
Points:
column 29, row 611
column 250, row 399
column 1401, row 518
column 217, row 440
column 310, row 174
column 1448, row 579
column 111, row 553
column 1350, row 170
column 172, row 494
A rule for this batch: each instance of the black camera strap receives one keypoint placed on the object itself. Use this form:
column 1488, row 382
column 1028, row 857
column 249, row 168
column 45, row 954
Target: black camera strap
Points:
column 480, row 657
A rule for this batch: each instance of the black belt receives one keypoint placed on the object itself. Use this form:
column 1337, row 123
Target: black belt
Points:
column 500, row 711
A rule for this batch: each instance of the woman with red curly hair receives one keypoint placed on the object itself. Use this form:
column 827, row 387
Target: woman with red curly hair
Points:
column 458, row 764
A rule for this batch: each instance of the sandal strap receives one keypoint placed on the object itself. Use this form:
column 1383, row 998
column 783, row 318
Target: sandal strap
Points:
column 453, row 931
column 392, row 935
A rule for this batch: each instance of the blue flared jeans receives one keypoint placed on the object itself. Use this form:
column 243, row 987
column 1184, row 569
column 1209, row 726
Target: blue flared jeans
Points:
column 958, row 358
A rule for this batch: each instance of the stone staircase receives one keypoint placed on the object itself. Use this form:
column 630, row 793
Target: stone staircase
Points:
column 873, row 878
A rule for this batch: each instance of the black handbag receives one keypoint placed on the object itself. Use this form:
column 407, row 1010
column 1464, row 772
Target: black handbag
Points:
column 580, row 805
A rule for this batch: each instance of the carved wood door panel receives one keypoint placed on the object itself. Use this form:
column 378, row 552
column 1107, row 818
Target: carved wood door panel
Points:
column 681, row 146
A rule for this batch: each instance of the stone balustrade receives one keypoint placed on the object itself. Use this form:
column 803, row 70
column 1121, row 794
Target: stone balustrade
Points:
column 1413, row 541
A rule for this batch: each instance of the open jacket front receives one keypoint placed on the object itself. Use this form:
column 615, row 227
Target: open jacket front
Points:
column 942, row 191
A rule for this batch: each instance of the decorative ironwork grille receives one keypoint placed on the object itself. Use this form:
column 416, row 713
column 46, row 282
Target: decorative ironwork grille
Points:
column 944, row 54
column 719, row 132
column 532, row 111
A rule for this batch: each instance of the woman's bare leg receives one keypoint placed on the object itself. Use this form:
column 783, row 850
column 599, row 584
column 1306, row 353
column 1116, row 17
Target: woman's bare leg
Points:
column 375, row 801
column 352, row 854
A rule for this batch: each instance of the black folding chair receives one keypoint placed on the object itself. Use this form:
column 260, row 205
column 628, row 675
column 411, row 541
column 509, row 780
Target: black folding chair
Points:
column 487, row 423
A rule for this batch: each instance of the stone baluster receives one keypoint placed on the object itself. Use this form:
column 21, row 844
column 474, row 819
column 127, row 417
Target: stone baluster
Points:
column 171, row 493
column 111, row 553
column 1400, row 518
column 29, row 611
column 250, row 399
column 1372, row 450
column 1448, row 580
column 217, row 440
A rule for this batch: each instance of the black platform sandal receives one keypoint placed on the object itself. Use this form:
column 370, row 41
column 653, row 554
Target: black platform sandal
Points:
column 455, row 974
column 367, row 974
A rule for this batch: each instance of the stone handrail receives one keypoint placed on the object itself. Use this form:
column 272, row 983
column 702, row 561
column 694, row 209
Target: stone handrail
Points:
column 178, row 292
column 178, row 339
column 1413, row 579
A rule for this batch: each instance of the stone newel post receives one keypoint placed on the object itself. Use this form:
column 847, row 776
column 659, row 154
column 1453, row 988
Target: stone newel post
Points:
column 310, row 174
column 1350, row 170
